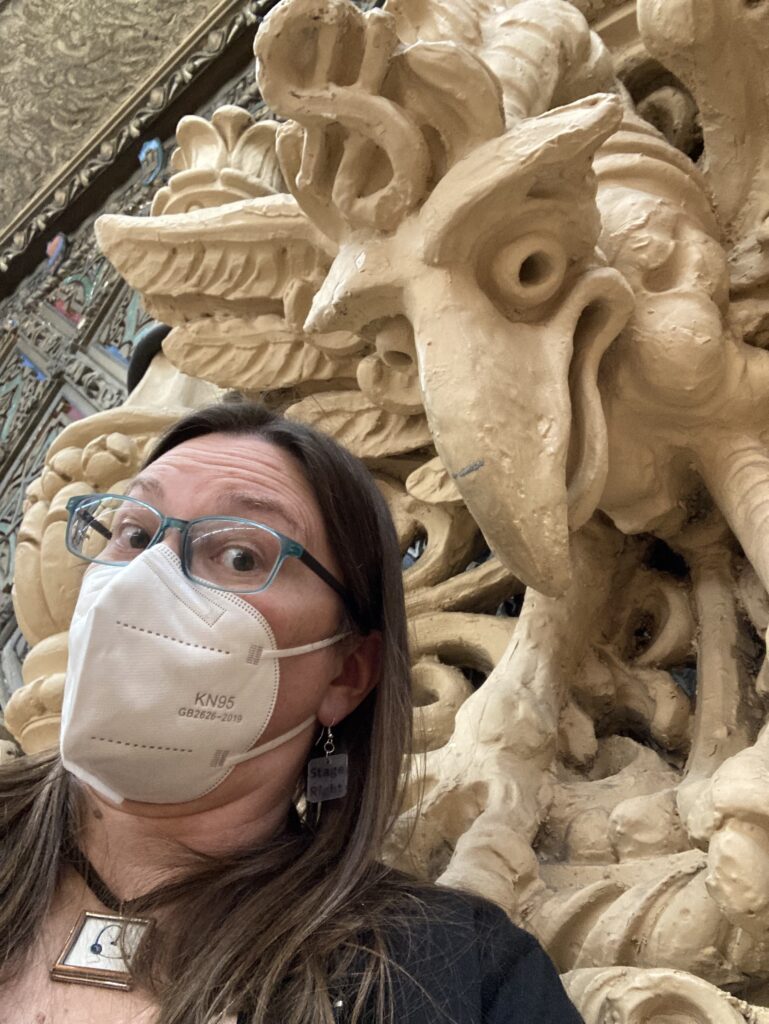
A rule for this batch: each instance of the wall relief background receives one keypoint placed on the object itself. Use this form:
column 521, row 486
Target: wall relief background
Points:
column 66, row 71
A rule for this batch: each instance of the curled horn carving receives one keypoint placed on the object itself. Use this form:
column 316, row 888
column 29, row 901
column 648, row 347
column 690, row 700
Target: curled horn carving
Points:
column 338, row 84
column 371, row 126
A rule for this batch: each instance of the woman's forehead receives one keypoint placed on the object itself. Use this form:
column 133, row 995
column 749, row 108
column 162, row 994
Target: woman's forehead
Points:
column 234, row 468
column 235, row 453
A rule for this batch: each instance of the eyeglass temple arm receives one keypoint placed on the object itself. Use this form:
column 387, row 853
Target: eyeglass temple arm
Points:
column 325, row 575
column 94, row 522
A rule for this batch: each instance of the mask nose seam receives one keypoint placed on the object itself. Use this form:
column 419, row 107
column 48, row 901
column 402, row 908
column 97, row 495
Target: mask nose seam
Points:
column 166, row 636
column 221, row 599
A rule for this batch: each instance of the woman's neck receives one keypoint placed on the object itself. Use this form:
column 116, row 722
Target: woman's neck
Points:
column 134, row 853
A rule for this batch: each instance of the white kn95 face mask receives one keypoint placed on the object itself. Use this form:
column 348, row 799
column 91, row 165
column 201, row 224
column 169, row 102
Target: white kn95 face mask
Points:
column 169, row 684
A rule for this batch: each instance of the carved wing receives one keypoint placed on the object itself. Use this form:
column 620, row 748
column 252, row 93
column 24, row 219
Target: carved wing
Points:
column 235, row 282
column 234, row 260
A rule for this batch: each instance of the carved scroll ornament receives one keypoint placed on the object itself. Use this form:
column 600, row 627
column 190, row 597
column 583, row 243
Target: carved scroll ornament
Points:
column 625, row 996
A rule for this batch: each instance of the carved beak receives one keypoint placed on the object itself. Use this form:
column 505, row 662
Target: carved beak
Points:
column 511, row 395
column 518, row 421
column 514, row 408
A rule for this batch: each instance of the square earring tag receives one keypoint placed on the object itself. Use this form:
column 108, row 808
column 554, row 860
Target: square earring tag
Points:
column 326, row 778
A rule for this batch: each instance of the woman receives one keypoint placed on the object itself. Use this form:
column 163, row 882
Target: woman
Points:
column 237, row 712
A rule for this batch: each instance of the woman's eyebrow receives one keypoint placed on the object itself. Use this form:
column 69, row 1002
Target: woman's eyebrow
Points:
column 254, row 504
column 146, row 483
column 245, row 502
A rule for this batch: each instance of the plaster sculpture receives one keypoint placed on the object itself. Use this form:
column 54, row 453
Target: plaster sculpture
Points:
column 541, row 326
column 622, row 995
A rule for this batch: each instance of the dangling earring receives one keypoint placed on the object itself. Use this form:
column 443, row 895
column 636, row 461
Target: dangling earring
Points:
column 327, row 775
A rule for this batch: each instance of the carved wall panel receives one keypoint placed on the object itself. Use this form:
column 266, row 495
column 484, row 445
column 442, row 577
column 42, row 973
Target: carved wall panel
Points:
column 66, row 71
column 205, row 45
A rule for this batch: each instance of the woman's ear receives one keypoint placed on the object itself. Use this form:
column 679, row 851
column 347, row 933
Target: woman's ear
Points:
column 356, row 679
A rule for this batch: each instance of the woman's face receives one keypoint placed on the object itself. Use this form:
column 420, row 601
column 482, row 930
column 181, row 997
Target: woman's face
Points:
column 222, row 474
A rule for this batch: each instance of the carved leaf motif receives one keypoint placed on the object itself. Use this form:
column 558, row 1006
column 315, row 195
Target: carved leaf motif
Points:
column 200, row 144
column 255, row 155
column 253, row 355
column 224, row 160
column 361, row 426
column 231, row 123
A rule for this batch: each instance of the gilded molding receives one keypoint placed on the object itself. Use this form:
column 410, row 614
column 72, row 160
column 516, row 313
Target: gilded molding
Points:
column 200, row 49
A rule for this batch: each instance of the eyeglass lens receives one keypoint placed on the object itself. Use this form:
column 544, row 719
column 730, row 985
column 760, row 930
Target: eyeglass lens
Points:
column 232, row 555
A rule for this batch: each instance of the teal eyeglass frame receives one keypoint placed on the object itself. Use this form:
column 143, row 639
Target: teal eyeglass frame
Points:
column 288, row 548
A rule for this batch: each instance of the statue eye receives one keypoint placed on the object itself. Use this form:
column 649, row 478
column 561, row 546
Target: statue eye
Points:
column 528, row 271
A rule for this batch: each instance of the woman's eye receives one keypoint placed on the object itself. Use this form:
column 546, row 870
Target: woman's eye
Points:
column 132, row 536
column 241, row 559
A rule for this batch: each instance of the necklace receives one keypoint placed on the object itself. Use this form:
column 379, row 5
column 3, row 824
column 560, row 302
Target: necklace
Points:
column 100, row 947
column 78, row 860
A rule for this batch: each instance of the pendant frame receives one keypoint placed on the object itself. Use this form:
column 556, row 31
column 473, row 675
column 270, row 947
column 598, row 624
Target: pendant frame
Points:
column 81, row 962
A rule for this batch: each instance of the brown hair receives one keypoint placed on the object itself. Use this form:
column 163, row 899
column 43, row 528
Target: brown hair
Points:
column 273, row 930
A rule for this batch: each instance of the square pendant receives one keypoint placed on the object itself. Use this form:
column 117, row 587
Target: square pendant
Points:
column 99, row 950
column 326, row 778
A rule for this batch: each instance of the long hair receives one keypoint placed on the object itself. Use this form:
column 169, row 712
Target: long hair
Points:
column 275, row 929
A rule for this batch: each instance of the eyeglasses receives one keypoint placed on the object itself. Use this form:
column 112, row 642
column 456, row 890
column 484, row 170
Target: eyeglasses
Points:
column 221, row 552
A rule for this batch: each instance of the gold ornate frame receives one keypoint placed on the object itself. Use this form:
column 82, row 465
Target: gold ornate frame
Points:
column 97, row 976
